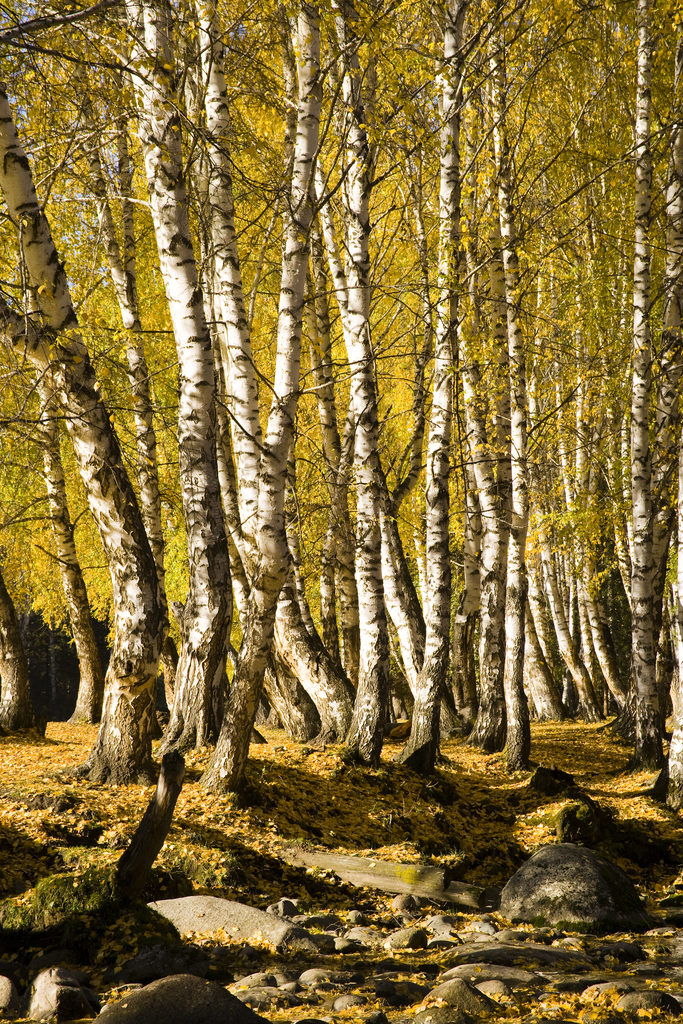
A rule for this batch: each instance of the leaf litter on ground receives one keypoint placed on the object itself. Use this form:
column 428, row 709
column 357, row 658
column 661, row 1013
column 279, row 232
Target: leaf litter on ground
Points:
column 470, row 816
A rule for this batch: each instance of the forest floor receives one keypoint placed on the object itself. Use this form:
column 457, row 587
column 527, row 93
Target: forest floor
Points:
column 470, row 815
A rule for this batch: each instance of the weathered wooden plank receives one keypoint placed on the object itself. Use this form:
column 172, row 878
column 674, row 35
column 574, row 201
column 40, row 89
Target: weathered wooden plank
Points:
column 416, row 879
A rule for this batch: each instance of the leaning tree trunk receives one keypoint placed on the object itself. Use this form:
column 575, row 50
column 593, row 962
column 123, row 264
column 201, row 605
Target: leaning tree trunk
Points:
column 16, row 707
column 122, row 751
column 648, row 739
column 226, row 769
column 205, row 619
column 364, row 740
column 91, row 684
column 421, row 748
column 308, row 660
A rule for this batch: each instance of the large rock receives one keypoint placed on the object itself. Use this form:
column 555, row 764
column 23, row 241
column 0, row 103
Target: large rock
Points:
column 182, row 999
column 209, row 913
column 512, row 955
column 56, row 994
column 568, row 885
column 462, row 996
column 514, row 977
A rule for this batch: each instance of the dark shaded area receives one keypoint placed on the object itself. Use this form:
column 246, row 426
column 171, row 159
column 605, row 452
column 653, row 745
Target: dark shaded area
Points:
column 42, row 644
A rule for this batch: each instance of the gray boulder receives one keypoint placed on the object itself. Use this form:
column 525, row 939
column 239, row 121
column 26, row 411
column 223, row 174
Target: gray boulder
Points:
column 407, row 938
column 209, row 913
column 461, row 995
column 9, row 998
column 566, row 884
column 56, row 994
column 531, row 952
column 182, row 999
column 649, row 999
column 513, row 977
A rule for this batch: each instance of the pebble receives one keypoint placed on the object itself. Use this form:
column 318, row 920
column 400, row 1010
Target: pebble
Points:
column 347, row 1001
column 407, row 938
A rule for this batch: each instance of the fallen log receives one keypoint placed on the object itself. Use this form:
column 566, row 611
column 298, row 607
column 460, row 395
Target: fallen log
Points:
column 424, row 880
column 136, row 862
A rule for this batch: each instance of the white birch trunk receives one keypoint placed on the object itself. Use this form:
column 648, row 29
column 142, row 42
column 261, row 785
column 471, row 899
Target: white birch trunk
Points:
column 364, row 740
column 226, row 768
column 518, row 734
column 16, row 707
column 490, row 728
column 206, row 617
column 671, row 343
column 122, row 751
column 421, row 748
column 241, row 381
column 91, row 684
column 463, row 679
column 648, row 737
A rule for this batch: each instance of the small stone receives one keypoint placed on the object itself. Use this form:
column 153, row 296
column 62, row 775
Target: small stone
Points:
column 355, row 917
column 376, row 1018
column 485, row 927
column 344, row 945
column 258, row 980
column 56, row 995
column 612, row 988
column 494, row 988
column 405, row 902
column 649, row 999
column 366, row 936
column 409, row 992
column 407, row 938
column 9, row 997
column 441, row 923
column 313, row 977
column 263, row 998
column 384, row 988
column 325, row 943
column 347, row 1001
column 444, row 942
column 283, row 908
column 624, row 952
column 461, row 995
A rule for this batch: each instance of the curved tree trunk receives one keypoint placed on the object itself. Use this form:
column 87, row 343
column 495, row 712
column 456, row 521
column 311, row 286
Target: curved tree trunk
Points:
column 16, row 707
column 295, row 709
column 308, row 660
column 91, row 684
column 122, row 751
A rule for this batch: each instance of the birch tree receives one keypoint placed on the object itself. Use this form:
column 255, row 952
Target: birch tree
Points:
column 364, row 739
column 91, row 685
column 226, row 769
column 206, row 617
column 16, row 707
column 122, row 751
column 648, row 737
column 420, row 751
